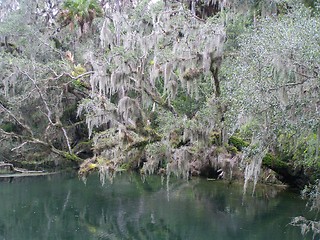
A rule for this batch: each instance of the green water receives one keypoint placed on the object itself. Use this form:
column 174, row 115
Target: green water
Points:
column 63, row 207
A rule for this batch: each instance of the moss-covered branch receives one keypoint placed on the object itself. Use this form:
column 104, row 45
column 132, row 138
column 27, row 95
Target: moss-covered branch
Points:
column 294, row 176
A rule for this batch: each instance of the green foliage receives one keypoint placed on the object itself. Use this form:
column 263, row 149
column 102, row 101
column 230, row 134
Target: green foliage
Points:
column 152, row 79
column 78, row 70
column 272, row 82
column 83, row 9
column 215, row 138
column 80, row 84
column 307, row 151
column 175, row 138
column 314, row 4
column 125, row 166
column 273, row 162
column 185, row 104
column 238, row 143
column 235, row 27
column 8, row 127
column 72, row 157
column 248, row 129
column 85, row 144
column 231, row 149
column 80, row 12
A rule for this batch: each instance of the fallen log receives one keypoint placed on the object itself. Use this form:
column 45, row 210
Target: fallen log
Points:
column 8, row 167
column 19, row 175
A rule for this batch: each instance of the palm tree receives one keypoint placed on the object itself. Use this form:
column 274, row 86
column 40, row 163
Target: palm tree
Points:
column 80, row 12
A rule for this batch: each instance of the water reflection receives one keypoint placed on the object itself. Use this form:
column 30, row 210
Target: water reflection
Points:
column 62, row 207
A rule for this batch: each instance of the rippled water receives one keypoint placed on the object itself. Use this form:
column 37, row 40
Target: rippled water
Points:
column 63, row 207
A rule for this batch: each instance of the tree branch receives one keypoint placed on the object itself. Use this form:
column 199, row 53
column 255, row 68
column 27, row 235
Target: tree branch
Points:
column 288, row 85
column 158, row 99
column 24, row 126
column 49, row 113
column 27, row 140
column 70, row 76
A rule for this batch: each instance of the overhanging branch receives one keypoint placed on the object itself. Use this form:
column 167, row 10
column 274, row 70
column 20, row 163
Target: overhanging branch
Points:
column 24, row 126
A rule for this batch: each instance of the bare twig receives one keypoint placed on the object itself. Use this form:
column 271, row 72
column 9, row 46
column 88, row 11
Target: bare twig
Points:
column 70, row 76
column 49, row 112
column 18, row 147
column 67, row 139
column 48, row 115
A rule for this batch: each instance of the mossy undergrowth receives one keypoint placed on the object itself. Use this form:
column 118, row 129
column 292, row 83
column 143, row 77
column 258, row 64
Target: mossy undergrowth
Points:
column 238, row 143
column 272, row 162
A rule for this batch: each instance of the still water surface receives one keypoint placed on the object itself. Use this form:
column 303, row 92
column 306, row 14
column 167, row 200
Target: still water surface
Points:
column 63, row 207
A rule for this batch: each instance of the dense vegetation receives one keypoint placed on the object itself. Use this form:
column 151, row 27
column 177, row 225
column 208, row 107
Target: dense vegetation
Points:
column 219, row 88
column 213, row 88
